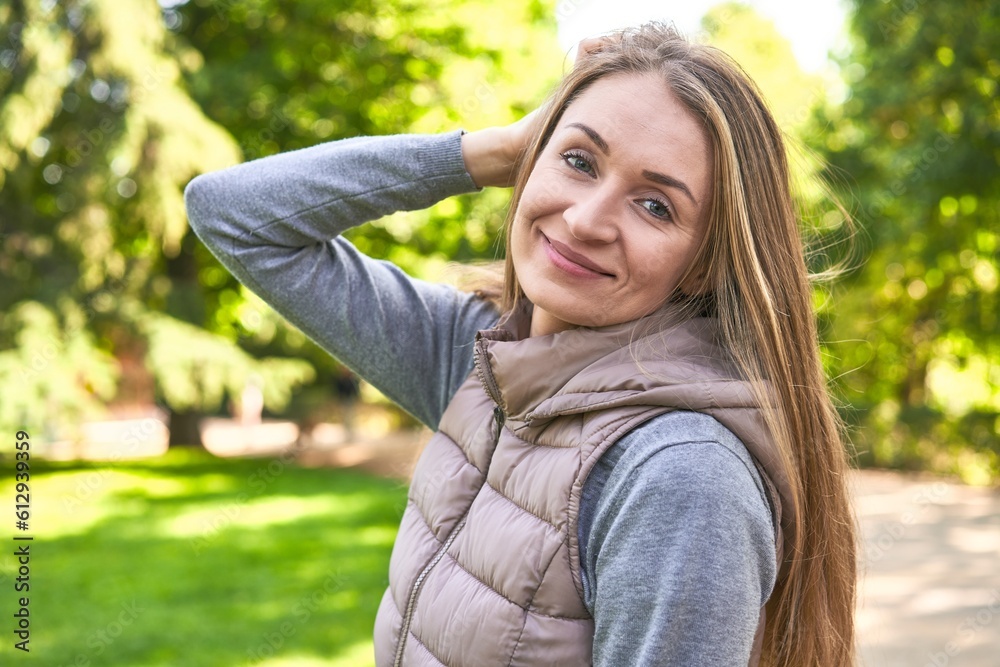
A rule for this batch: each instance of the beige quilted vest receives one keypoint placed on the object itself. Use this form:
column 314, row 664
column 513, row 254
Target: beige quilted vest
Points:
column 486, row 569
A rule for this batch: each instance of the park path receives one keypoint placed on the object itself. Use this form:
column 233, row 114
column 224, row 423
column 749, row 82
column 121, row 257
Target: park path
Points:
column 930, row 586
column 929, row 594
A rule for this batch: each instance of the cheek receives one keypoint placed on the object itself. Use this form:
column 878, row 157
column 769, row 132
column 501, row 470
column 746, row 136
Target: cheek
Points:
column 519, row 227
column 656, row 267
column 520, row 231
column 543, row 193
column 533, row 205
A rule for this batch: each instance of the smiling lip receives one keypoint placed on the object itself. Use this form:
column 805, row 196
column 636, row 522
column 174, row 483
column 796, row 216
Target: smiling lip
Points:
column 572, row 261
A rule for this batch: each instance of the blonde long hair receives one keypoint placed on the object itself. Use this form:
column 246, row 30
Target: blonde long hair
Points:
column 753, row 272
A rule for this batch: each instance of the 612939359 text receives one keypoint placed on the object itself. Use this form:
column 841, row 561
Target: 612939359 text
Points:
column 22, row 540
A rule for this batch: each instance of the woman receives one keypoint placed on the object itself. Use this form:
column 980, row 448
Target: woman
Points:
column 635, row 455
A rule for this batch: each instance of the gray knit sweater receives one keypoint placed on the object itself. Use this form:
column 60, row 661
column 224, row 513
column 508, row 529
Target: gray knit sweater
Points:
column 677, row 544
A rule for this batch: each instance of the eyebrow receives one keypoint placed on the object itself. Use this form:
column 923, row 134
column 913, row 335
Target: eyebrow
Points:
column 654, row 176
column 594, row 136
column 670, row 182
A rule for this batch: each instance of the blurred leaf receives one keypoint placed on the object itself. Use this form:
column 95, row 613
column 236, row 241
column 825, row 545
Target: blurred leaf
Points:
column 53, row 369
column 102, row 125
column 920, row 135
column 196, row 369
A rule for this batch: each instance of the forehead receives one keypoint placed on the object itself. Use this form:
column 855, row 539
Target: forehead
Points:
column 641, row 119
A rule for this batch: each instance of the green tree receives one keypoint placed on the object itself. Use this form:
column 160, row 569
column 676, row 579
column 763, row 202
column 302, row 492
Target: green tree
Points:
column 108, row 109
column 919, row 138
column 281, row 76
column 97, row 139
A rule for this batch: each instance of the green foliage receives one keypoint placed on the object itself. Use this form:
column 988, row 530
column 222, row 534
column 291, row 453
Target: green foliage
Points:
column 920, row 135
column 102, row 125
column 197, row 368
column 107, row 109
column 54, row 367
column 281, row 76
column 97, row 138
column 192, row 560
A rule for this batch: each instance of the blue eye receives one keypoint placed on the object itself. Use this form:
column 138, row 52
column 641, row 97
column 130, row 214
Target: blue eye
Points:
column 578, row 162
column 658, row 208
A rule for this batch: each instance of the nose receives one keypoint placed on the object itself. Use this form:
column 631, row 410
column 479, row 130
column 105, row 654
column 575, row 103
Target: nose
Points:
column 592, row 215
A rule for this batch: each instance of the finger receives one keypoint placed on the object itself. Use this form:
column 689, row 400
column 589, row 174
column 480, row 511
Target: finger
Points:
column 591, row 45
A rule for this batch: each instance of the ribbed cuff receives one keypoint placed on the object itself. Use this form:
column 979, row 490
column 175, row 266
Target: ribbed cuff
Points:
column 441, row 159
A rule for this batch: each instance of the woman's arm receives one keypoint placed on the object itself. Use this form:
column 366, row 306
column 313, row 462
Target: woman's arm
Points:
column 679, row 552
column 275, row 224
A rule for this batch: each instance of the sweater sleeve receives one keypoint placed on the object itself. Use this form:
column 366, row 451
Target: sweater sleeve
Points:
column 679, row 552
column 275, row 223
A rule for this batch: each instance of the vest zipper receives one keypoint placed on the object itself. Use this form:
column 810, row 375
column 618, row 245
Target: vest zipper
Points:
column 485, row 373
column 411, row 603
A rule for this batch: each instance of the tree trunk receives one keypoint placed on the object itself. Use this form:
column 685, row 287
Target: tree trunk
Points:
column 186, row 302
column 184, row 428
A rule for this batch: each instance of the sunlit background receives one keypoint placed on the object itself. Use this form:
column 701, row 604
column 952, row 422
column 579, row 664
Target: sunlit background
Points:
column 184, row 435
column 815, row 30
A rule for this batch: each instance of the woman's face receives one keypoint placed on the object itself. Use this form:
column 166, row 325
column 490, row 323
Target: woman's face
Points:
column 615, row 207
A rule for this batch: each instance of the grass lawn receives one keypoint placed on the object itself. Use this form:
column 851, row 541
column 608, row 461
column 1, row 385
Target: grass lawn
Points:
column 192, row 560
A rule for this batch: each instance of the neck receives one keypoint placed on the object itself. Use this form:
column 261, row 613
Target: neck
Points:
column 544, row 323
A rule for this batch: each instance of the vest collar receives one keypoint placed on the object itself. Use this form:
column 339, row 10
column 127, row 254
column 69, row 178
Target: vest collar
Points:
column 677, row 365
